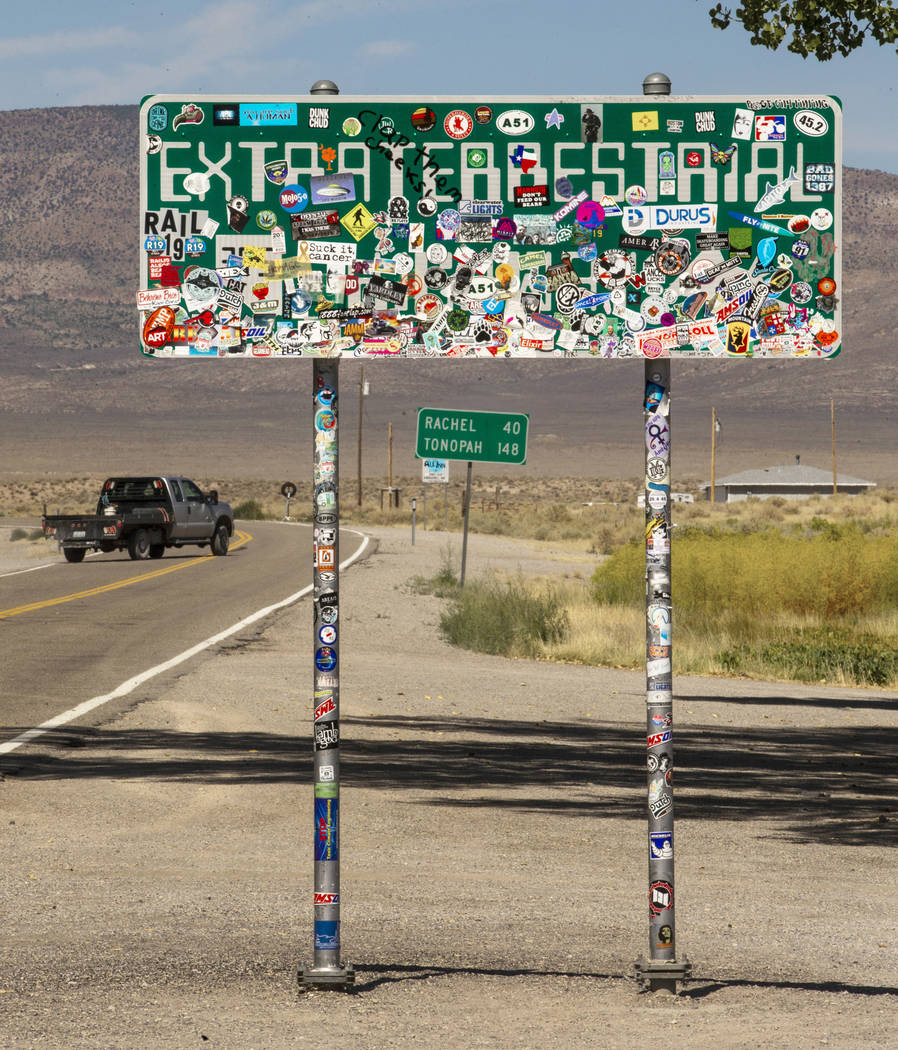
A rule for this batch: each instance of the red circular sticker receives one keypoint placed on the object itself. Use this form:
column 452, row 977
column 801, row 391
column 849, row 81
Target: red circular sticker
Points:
column 693, row 159
column 651, row 347
column 413, row 282
column 826, row 286
column 458, row 124
column 427, row 306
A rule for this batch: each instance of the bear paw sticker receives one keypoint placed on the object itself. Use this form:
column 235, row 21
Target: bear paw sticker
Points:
column 481, row 330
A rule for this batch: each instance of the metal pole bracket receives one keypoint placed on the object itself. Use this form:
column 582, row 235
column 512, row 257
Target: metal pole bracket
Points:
column 662, row 974
column 335, row 978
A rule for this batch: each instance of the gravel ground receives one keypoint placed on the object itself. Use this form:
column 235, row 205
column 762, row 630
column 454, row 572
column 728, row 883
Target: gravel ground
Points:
column 157, row 878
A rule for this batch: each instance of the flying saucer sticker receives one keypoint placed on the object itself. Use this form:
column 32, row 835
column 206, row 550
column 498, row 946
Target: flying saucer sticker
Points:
column 332, row 189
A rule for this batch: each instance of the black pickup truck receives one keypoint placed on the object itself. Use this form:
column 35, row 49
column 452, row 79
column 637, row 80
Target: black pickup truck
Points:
column 144, row 515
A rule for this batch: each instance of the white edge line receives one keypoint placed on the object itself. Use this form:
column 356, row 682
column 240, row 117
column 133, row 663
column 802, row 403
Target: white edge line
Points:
column 45, row 565
column 145, row 676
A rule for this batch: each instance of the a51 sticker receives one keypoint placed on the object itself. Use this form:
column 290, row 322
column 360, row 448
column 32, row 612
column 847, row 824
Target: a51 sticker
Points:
column 515, row 122
column 811, row 123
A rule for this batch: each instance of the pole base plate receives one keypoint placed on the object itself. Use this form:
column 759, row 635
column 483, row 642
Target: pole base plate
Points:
column 336, row 977
column 662, row 974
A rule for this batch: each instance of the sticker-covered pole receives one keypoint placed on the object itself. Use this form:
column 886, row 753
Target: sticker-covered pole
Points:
column 328, row 970
column 662, row 970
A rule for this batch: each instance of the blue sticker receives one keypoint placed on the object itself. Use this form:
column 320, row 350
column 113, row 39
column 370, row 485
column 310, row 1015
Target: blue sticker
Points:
column 326, row 831
column 154, row 244
column 766, row 250
column 325, row 658
column 592, row 300
column 325, row 419
column 257, row 115
column 194, row 246
column 327, row 935
column 158, row 118
column 654, row 392
column 661, row 845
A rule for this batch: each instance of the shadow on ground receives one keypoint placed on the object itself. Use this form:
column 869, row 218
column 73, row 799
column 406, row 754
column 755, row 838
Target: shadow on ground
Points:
column 371, row 975
column 812, row 785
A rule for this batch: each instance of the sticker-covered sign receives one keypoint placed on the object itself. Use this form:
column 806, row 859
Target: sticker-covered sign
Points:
column 505, row 227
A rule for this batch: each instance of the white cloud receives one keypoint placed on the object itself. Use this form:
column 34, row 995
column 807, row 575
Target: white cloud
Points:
column 67, row 41
column 387, row 48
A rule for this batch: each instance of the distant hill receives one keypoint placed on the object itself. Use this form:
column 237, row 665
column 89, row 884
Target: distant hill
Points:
column 68, row 334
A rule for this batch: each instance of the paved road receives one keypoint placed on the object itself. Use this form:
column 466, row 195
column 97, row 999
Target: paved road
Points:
column 71, row 632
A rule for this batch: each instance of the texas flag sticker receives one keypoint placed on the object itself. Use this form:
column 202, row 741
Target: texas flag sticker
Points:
column 525, row 159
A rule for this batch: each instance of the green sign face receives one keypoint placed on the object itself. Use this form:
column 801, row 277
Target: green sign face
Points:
column 641, row 227
column 487, row 437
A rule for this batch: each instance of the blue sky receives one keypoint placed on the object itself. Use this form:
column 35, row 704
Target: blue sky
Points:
column 57, row 53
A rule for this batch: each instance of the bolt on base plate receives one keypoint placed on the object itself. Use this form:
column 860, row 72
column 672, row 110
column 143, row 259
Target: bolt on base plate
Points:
column 662, row 974
column 327, row 977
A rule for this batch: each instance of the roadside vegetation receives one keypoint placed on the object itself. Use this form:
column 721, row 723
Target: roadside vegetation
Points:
column 804, row 590
column 772, row 589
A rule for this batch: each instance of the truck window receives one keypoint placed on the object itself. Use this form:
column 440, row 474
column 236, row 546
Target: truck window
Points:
column 176, row 491
column 191, row 492
column 134, row 489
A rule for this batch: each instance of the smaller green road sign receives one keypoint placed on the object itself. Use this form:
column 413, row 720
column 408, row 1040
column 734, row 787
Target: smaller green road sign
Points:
column 488, row 437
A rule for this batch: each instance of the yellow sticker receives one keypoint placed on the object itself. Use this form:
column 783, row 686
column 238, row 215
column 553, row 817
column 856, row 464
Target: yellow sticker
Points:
column 645, row 120
column 253, row 257
column 358, row 221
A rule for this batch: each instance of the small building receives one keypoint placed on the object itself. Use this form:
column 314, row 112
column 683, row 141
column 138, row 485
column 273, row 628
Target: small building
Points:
column 789, row 482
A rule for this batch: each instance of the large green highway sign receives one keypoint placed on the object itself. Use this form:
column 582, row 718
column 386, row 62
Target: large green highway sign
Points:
column 647, row 227
column 487, row 437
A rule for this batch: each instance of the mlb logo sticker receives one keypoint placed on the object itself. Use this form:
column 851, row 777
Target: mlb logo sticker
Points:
column 770, row 129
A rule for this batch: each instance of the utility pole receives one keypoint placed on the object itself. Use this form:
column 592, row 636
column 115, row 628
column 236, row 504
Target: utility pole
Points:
column 361, row 402
column 832, row 420
column 713, row 450
column 390, row 462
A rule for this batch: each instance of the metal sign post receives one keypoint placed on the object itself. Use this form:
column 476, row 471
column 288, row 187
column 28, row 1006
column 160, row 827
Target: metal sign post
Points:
column 467, row 514
column 662, row 970
column 328, row 969
column 288, row 491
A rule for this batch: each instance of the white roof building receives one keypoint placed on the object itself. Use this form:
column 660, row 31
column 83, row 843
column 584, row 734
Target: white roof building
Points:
column 789, row 482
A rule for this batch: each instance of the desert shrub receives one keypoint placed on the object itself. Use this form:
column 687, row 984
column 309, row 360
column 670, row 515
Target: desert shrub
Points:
column 25, row 534
column 504, row 618
column 815, row 654
column 251, row 510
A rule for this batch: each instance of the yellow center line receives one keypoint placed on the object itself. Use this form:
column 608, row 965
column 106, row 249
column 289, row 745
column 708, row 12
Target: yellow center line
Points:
column 240, row 538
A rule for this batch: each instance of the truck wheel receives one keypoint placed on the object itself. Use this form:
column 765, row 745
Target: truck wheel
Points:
column 220, row 540
column 157, row 550
column 74, row 554
column 139, row 545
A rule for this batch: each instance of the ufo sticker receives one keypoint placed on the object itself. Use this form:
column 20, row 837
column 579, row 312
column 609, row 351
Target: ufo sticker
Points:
column 333, row 188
